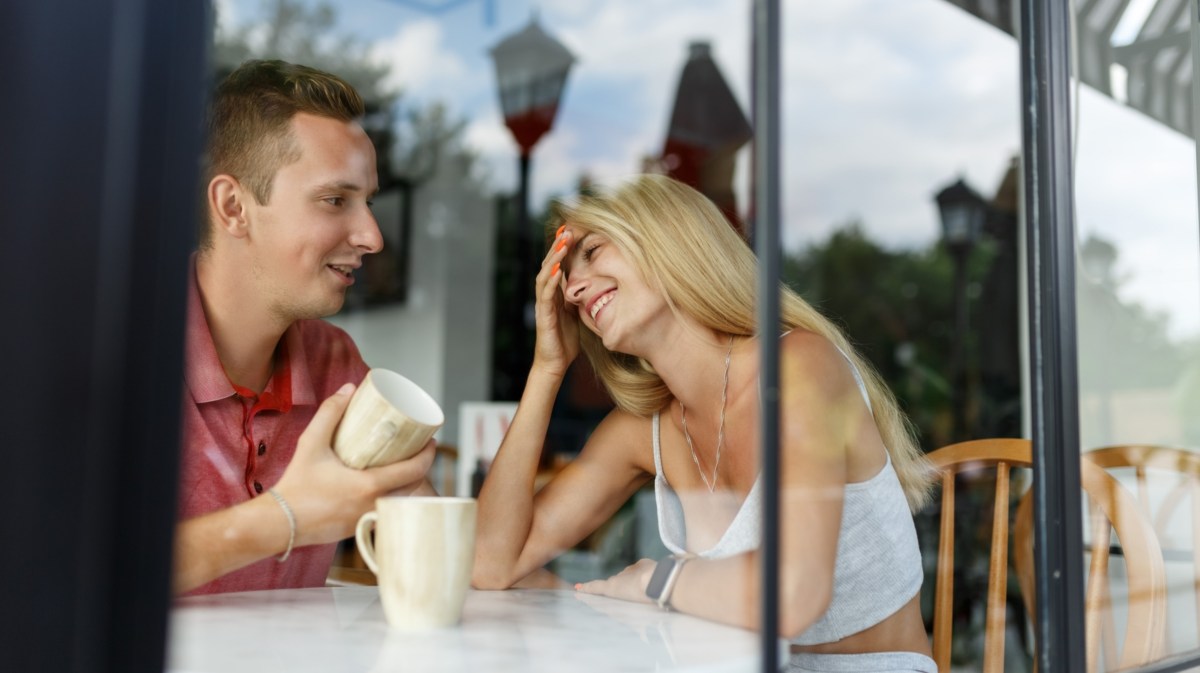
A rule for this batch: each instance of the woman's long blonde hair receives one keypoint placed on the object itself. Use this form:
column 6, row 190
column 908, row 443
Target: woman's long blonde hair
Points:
column 684, row 246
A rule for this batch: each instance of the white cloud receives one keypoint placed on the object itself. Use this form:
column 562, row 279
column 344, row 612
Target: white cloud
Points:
column 487, row 136
column 884, row 103
column 1136, row 188
column 422, row 65
column 226, row 14
column 638, row 50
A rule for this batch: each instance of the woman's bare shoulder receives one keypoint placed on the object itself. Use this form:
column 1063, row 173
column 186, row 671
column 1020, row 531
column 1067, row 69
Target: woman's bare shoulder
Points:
column 621, row 422
column 825, row 408
column 625, row 434
column 814, row 362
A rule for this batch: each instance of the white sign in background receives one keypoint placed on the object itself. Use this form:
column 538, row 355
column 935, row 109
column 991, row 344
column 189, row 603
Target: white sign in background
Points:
column 481, row 428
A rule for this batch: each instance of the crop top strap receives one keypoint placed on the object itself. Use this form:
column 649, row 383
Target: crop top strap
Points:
column 658, row 469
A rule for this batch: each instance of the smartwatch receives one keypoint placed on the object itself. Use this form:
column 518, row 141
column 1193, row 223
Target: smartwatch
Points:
column 662, row 580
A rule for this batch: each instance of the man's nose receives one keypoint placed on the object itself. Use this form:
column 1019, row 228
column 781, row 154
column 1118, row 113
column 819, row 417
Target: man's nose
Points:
column 366, row 235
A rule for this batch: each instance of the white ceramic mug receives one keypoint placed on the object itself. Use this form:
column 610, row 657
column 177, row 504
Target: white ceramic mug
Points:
column 423, row 553
column 389, row 419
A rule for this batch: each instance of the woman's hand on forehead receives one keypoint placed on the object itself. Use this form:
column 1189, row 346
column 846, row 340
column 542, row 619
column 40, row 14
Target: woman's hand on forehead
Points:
column 575, row 243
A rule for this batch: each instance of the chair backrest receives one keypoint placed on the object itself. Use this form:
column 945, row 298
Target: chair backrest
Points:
column 1183, row 467
column 1117, row 510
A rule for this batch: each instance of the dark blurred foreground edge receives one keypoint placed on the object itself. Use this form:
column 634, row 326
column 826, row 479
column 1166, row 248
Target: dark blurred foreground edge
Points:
column 102, row 102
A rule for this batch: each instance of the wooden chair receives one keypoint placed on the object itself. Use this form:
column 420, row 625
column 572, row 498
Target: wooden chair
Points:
column 1117, row 511
column 1182, row 468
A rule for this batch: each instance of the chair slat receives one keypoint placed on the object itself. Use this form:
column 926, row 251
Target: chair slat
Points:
column 943, row 623
column 1144, row 569
column 1143, row 490
column 997, row 602
column 1094, row 602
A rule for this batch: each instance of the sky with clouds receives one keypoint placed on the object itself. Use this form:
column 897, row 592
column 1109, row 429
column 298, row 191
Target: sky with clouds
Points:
column 884, row 103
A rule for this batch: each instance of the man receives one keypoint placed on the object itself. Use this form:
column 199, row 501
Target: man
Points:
column 290, row 177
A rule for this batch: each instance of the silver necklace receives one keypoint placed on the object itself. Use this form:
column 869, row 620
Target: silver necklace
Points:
column 712, row 485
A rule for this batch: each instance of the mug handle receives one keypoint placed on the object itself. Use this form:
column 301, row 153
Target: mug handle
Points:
column 362, row 537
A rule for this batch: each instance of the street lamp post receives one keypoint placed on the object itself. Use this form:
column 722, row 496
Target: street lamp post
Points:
column 963, row 212
column 531, row 71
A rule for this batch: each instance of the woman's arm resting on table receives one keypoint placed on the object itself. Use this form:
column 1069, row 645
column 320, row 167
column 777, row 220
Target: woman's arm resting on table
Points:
column 325, row 496
column 820, row 398
column 518, row 531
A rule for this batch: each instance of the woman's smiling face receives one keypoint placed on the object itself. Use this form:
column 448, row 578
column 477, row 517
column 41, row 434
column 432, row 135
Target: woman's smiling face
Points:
column 611, row 295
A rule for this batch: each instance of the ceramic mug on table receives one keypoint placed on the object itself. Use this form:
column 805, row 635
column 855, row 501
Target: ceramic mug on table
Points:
column 389, row 419
column 423, row 553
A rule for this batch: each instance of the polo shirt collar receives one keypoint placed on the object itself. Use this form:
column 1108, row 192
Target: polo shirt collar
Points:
column 206, row 378
column 302, row 387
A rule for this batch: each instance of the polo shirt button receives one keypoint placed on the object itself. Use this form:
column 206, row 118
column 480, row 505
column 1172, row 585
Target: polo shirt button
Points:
column 262, row 448
column 257, row 487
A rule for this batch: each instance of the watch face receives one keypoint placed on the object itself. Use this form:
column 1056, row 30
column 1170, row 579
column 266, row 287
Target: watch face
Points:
column 658, row 580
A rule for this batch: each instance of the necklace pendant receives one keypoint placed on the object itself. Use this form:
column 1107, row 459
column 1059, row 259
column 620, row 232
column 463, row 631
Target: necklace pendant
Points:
column 711, row 484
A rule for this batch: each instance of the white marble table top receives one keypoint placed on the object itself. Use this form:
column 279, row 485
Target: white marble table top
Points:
column 342, row 629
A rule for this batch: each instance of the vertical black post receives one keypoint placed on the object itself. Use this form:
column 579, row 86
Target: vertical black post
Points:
column 767, row 140
column 522, row 354
column 959, row 253
column 106, row 98
column 1054, row 382
column 514, row 280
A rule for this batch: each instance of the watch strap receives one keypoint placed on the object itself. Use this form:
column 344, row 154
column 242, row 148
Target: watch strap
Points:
column 663, row 580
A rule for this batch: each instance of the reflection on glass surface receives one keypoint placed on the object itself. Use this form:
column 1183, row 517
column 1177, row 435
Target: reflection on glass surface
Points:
column 1138, row 293
column 1166, row 482
column 888, row 105
column 437, row 303
column 662, row 87
column 453, row 223
column 1139, row 279
column 885, row 104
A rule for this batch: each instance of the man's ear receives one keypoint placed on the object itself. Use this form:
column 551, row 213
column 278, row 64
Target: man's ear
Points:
column 227, row 206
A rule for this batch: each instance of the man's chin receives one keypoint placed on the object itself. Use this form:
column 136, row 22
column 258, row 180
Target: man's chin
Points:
column 316, row 311
column 333, row 308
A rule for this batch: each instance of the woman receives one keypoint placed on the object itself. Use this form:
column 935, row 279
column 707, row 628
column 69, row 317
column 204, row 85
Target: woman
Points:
column 664, row 291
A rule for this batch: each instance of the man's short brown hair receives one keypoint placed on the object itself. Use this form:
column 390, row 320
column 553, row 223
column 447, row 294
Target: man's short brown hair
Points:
column 248, row 125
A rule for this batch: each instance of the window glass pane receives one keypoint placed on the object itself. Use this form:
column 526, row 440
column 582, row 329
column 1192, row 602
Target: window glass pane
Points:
column 901, row 222
column 902, row 183
column 1138, row 293
column 653, row 87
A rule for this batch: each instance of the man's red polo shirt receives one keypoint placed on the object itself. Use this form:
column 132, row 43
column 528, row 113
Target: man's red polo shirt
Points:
column 236, row 445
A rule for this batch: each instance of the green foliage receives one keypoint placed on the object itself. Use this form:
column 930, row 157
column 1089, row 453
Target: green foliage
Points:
column 896, row 306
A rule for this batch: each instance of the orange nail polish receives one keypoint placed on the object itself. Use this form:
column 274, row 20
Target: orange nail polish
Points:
column 554, row 269
column 560, row 246
column 578, row 586
column 560, row 231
